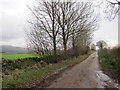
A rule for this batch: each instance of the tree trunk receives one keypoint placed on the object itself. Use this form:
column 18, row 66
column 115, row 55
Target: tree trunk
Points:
column 53, row 32
column 54, row 50
column 64, row 35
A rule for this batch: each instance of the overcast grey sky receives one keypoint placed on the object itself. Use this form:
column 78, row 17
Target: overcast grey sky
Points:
column 14, row 15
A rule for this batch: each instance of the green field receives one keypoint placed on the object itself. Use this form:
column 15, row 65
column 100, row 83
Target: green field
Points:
column 16, row 55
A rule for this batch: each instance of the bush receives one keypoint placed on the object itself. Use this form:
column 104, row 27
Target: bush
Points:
column 110, row 58
column 17, row 64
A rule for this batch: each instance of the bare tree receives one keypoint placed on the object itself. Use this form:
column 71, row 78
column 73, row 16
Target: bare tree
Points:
column 63, row 15
column 87, row 24
column 45, row 31
column 83, row 29
column 112, row 7
column 72, row 17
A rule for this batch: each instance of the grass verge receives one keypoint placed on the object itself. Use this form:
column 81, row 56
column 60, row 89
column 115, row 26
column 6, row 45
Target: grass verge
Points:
column 110, row 59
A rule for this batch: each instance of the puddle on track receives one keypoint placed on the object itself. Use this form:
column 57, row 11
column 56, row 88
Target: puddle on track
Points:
column 106, row 81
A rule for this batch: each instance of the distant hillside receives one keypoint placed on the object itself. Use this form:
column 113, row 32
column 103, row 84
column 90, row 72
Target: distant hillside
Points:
column 12, row 49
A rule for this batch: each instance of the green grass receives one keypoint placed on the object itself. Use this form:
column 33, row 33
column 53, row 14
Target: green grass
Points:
column 107, row 65
column 16, row 55
column 29, row 74
column 0, row 54
column 110, row 59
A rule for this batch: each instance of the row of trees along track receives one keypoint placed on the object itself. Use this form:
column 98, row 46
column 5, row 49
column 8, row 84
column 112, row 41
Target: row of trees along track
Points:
column 61, row 27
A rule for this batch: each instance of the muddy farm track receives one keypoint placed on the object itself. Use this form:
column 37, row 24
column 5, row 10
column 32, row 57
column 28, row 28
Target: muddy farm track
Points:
column 86, row 74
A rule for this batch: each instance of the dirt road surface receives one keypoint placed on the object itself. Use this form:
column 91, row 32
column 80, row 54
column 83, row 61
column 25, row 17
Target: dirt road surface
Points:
column 86, row 74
